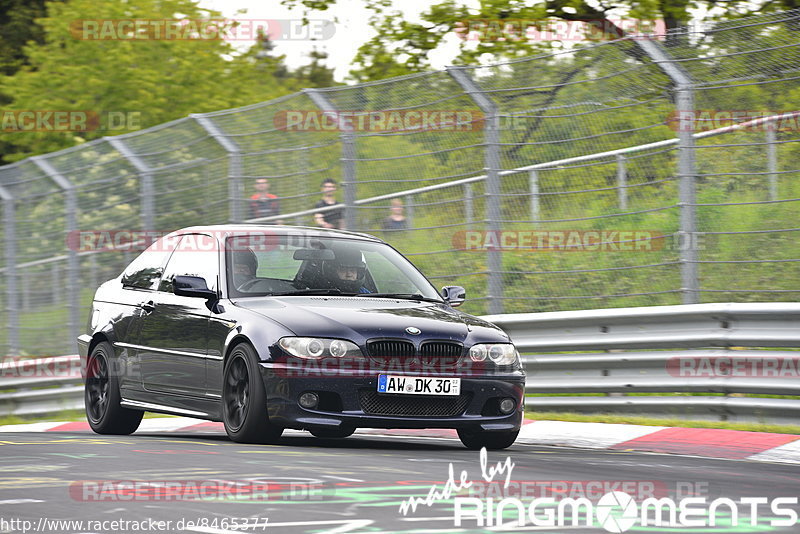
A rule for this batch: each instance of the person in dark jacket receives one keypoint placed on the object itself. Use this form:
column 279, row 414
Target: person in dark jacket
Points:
column 333, row 218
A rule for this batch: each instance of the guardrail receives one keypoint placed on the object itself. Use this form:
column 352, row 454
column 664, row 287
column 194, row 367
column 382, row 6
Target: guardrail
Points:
column 40, row 386
column 709, row 351
column 715, row 352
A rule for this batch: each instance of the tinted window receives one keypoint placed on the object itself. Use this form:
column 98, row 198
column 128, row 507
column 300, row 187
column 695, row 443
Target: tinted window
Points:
column 292, row 263
column 195, row 255
column 145, row 271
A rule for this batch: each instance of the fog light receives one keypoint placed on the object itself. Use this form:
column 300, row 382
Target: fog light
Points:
column 507, row 405
column 309, row 400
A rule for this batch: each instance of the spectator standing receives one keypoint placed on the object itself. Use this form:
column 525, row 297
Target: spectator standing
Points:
column 263, row 203
column 397, row 219
column 333, row 218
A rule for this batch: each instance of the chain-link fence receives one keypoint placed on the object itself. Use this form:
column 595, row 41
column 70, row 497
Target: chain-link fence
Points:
column 631, row 172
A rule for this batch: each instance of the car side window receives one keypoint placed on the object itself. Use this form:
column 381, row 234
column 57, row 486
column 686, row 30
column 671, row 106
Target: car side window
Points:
column 195, row 255
column 145, row 271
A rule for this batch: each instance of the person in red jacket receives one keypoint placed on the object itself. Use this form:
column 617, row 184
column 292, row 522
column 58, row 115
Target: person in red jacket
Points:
column 263, row 203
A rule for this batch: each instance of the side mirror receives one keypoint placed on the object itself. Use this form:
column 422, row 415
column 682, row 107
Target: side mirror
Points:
column 192, row 286
column 454, row 295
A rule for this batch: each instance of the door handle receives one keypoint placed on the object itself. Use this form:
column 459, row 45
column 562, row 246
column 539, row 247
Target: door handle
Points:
column 147, row 306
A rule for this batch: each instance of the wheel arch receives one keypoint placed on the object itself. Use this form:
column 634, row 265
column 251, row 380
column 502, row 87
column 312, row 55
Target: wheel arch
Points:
column 97, row 338
column 238, row 339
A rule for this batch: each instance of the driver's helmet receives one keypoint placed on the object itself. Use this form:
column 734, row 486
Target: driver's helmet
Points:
column 347, row 270
column 244, row 265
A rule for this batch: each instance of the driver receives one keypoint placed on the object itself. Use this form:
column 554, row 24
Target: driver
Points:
column 347, row 271
column 245, row 265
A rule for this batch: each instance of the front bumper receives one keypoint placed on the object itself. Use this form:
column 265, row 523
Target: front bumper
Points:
column 344, row 399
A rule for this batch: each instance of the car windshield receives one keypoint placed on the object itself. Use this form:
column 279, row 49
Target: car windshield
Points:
column 305, row 265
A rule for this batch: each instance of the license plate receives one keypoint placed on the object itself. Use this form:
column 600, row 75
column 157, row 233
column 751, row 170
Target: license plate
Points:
column 418, row 385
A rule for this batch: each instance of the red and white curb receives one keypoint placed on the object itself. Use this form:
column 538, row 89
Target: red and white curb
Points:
column 703, row 442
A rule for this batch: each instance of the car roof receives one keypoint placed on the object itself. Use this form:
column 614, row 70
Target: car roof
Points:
column 232, row 230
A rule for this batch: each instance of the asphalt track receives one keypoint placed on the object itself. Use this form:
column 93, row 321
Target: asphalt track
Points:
column 305, row 484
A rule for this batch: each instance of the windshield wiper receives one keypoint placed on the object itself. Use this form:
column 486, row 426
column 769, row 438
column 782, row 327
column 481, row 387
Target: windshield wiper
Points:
column 331, row 291
column 407, row 296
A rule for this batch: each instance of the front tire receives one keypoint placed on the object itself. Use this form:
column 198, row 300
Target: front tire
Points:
column 491, row 440
column 102, row 397
column 244, row 402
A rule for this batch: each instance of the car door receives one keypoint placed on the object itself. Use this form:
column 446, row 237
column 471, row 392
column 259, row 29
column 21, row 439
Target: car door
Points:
column 173, row 337
column 139, row 283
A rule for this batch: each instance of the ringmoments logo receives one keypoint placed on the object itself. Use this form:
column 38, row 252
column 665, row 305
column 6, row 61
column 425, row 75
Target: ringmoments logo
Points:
column 615, row 511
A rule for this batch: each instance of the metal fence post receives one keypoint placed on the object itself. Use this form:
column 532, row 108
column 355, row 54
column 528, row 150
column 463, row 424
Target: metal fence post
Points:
column 622, row 182
column 684, row 93
column 25, row 290
column 410, row 210
column 533, row 185
column 55, row 277
column 12, row 295
column 469, row 210
column 235, row 186
column 72, row 282
column 772, row 159
column 93, row 271
column 348, row 159
column 147, row 207
column 492, row 162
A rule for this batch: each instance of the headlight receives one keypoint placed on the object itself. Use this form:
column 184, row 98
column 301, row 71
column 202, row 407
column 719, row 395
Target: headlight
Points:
column 478, row 353
column 499, row 353
column 314, row 348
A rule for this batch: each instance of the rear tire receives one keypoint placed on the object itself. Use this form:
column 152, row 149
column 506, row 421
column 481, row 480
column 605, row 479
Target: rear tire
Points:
column 102, row 397
column 490, row 440
column 244, row 402
column 333, row 433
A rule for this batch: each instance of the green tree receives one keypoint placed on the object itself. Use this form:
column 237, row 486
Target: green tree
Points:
column 402, row 47
column 17, row 27
column 315, row 74
column 160, row 79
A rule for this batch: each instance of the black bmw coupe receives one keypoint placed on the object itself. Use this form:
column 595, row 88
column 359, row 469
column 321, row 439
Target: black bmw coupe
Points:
column 266, row 328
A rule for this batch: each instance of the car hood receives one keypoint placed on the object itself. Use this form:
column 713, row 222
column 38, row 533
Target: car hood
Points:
column 364, row 318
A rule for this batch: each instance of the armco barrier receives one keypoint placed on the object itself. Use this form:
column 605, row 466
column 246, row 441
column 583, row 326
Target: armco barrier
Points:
column 730, row 349
column 706, row 356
